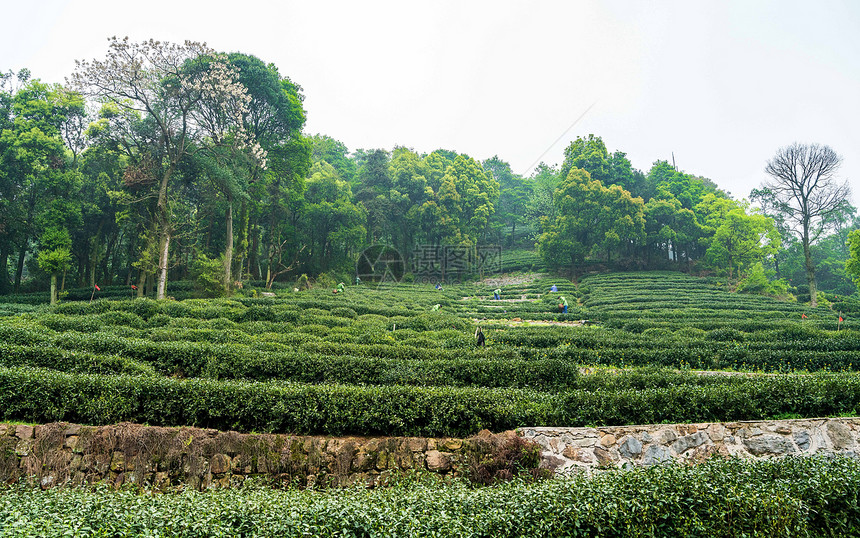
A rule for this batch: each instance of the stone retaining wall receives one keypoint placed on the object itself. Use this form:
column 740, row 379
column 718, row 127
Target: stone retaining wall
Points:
column 71, row 454
column 567, row 450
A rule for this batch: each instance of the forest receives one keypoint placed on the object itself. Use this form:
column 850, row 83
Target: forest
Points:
column 166, row 162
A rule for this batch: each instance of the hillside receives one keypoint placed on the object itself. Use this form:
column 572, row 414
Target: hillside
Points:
column 385, row 360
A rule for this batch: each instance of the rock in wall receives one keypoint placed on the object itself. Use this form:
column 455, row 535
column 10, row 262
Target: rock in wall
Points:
column 71, row 454
column 567, row 450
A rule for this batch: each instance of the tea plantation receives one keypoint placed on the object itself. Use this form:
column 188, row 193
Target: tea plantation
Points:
column 401, row 359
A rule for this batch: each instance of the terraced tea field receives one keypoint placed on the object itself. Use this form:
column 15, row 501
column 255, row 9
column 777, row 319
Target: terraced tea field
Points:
column 387, row 360
column 401, row 359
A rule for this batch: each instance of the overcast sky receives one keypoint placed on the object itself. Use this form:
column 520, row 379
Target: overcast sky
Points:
column 723, row 85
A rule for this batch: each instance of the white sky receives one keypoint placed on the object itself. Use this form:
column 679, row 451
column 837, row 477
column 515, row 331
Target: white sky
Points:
column 721, row 84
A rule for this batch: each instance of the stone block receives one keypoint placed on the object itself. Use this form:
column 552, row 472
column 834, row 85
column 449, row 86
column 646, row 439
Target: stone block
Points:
column 219, row 464
column 607, row 440
column 604, row 457
column 438, row 461
column 73, row 429
column 551, row 462
column 702, row 453
column 690, row 441
column 585, row 442
column 24, row 447
column 71, row 442
column 241, row 464
column 22, row 431
column 656, row 454
column 3, row 429
column 117, row 462
column 769, row 444
column 416, row 444
column 363, row 461
column 717, row 432
column 452, row 444
column 47, row 481
column 630, row 448
column 839, row 434
column 802, row 439
column 665, row 437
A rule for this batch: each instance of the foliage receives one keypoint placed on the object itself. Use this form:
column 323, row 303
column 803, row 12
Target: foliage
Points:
column 722, row 497
column 209, row 276
column 589, row 216
column 757, row 281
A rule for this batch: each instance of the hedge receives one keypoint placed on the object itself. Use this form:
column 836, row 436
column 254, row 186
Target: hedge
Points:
column 38, row 395
column 784, row 498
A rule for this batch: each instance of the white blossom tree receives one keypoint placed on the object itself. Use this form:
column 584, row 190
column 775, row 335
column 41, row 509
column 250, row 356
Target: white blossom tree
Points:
column 169, row 101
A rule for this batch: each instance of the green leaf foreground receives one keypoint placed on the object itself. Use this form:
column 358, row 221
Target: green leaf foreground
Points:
column 791, row 497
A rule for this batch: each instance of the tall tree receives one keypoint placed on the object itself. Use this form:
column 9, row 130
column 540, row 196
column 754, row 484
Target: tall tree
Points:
column 589, row 217
column 589, row 154
column 333, row 224
column 741, row 240
column 334, row 152
column 187, row 100
column 807, row 192
column 275, row 117
column 543, row 182
column 374, row 194
column 514, row 193
column 33, row 164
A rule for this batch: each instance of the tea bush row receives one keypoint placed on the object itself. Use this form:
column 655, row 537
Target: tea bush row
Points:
column 190, row 352
column 784, row 498
column 41, row 396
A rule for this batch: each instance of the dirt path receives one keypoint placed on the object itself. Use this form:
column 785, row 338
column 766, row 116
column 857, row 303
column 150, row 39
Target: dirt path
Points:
column 517, row 322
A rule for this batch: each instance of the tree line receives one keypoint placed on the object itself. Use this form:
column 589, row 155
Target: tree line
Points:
column 173, row 161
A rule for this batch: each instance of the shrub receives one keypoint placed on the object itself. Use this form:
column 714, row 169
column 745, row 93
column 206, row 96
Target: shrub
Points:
column 208, row 274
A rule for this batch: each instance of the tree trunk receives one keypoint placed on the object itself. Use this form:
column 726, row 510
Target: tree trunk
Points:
column 82, row 270
column 19, row 270
column 252, row 254
column 163, row 249
column 141, row 283
column 163, row 228
column 4, row 268
column 94, row 253
column 810, row 270
column 110, row 255
column 54, row 288
column 241, row 248
column 228, row 251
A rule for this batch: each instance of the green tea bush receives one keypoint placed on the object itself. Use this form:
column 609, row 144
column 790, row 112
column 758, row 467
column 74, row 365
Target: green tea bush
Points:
column 38, row 395
column 722, row 497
